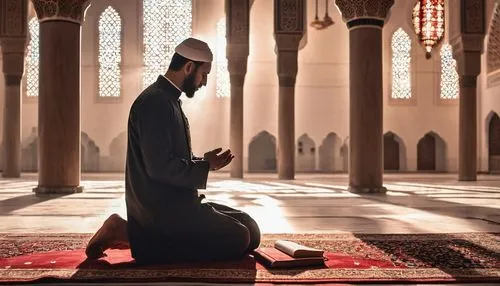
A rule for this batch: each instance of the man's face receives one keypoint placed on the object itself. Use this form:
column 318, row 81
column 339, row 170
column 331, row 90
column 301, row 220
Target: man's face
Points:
column 196, row 78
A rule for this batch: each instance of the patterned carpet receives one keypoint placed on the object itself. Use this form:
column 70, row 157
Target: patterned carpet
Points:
column 472, row 257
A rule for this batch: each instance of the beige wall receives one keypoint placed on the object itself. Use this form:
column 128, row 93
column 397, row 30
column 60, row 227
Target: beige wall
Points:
column 425, row 112
column 322, row 90
column 489, row 99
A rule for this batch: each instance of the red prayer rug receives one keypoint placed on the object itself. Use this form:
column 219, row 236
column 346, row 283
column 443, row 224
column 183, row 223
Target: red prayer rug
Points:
column 351, row 258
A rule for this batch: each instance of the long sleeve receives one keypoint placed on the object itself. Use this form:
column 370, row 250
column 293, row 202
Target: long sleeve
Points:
column 156, row 126
column 196, row 158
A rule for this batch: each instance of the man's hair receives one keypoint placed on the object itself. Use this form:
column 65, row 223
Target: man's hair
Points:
column 179, row 61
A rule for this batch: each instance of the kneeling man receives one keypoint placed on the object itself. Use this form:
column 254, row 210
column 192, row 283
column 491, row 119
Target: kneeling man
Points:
column 166, row 218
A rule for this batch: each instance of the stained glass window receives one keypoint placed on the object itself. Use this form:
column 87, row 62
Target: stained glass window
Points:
column 33, row 58
column 222, row 76
column 449, row 75
column 110, row 53
column 401, row 64
column 166, row 24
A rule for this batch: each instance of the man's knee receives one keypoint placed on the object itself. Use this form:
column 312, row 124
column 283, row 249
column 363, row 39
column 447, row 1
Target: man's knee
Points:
column 240, row 238
column 254, row 230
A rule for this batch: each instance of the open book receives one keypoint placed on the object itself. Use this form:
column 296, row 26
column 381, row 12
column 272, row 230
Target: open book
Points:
column 296, row 250
column 287, row 254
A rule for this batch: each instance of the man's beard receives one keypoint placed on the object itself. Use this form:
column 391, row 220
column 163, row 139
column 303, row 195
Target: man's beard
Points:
column 188, row 86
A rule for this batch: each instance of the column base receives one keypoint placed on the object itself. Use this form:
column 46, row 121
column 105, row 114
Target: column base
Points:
column 286, row 177
column 467, row 179
column 11, row 175
column 57, row 190
column 236, row 174
column 367, row 190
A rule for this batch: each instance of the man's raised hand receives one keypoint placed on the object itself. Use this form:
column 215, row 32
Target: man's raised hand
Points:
column 217, row 161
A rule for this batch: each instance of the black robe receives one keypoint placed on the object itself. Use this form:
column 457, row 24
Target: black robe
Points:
column 162, row 176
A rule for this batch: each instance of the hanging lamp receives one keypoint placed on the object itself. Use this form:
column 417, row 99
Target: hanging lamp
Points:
column 316, row 23
column 428, row 22
column 327, row 20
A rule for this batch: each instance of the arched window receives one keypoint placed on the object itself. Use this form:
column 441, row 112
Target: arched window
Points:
column 33, row 58
column 401, row 64
column 222, row 76
column 110, row 56
column 449, row 75
column 166, row 24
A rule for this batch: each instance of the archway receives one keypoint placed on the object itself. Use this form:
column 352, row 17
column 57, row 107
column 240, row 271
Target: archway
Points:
column 394, row 152
column 344, row 154
column 262, row 153
column 29, row 152
column 306, row 154
column 90, row 154
column 391, row 152
column 431, row 153
column 118, row 152
column 494, row 144
column 329, row 153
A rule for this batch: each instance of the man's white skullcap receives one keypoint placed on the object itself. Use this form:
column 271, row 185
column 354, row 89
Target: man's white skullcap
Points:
column 194, row 50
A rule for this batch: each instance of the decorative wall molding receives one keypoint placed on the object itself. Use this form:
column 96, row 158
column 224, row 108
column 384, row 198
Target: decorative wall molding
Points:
column 473, row 16
column 353, row 10
column 238, row 21
column 289, row 16
column 61, row 10
column 13, row 15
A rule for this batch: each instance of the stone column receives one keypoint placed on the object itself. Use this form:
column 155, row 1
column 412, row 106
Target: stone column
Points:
column 237, row 35
column 59, row 99
column 365, row 20
column 13, row 31
column 467, row 30
column 289, row 18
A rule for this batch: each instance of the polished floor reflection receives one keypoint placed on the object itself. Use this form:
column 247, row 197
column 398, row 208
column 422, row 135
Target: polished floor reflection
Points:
column 415, row 203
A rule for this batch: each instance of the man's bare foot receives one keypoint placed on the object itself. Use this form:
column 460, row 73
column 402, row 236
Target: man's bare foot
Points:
column 111, row 235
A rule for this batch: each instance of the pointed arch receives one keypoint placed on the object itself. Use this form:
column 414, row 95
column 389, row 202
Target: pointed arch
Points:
column 110, row 53
column 344, row 153
column 394, row 152
column 329, row 153
column 165, row 24
column 449, row 77
column 262, row 153
column 306, row 154
column 493, row 134
column 431, row 153
column 33, row 59
column 401, row 65
column 222, row 74
column 90, row 154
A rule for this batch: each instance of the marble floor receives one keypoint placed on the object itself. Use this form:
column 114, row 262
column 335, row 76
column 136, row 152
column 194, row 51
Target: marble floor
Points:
column 415, row 203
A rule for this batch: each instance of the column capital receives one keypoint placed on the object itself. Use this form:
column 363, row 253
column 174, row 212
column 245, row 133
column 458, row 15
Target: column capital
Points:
column 237, row 35
column 237, row 22
column 468, row 62
column 13, row 15
column 13, row 51
column 237, row 66
column 289, row 17
column 287, row 67
column 236, row 51
column 364, row 12
column 467, row 25
column 61, row 10
column 467, row 32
